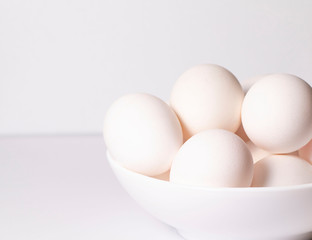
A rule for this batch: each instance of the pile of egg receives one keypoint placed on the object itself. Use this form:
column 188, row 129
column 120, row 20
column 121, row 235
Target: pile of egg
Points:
column 214, row 133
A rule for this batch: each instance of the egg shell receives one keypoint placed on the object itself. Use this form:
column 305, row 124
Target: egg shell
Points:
column 281, row 170
column 242, row 134
column 247, row 84
column 256, row 152
column 295, row 153
column 213, row 158
column 142, row 133
column 306, row 152
column 205, row 97
column 164, row 176
column 277, row 113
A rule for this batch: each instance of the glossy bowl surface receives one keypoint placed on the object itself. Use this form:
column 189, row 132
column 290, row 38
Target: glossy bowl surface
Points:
column 271, row 213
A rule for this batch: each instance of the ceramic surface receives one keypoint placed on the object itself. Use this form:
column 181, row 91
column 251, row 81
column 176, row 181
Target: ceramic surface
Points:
column 199, row 213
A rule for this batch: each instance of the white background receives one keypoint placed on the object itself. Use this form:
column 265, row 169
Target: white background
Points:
column 63, row 62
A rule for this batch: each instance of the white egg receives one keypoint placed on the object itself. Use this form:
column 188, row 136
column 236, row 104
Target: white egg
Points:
column 256, row 152
column 281, row 170
column 164, row 176
column 205, row 97
column 241, row 133
column 295, row 153
column 213, row 158
column 247, row 84
column 277, row 113
column 306, row 152
column 142, row 133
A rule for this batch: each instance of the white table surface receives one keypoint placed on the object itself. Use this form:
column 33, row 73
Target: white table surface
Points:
column 63, row 188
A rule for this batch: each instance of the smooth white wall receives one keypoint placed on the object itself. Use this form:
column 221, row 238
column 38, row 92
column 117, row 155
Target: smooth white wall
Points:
column 62, row 63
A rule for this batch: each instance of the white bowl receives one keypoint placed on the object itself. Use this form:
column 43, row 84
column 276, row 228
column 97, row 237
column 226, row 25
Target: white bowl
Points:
column 223, row 213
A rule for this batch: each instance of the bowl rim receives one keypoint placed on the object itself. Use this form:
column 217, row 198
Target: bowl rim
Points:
column 115, row 164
